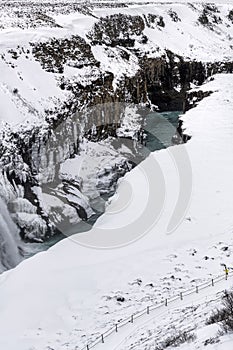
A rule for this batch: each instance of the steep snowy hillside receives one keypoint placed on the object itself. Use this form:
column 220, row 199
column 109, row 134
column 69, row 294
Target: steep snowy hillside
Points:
column 75, row 292
column 59, row 61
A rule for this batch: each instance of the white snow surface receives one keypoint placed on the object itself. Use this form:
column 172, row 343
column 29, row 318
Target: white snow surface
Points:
column 66, row 296
column 189, row 315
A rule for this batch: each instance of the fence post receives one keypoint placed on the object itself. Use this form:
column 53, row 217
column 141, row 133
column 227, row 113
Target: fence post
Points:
column 226, row 275
column 165, row 302
column 87, row 347
column 102, row 338
column 196, row 289
column 132, row 319
column 212, row 282
column 181, row 296
column 148, row 310
column 116, row 328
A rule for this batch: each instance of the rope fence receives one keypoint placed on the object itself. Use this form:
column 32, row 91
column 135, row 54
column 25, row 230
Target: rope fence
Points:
column 152, row 307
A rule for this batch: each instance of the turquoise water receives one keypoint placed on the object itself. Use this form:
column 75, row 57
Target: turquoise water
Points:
column 159, row 130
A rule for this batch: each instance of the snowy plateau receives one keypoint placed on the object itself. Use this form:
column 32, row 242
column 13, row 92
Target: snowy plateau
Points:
column 129, row 228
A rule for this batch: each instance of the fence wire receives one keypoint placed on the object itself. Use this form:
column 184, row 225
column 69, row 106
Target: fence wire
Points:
column 152, row 307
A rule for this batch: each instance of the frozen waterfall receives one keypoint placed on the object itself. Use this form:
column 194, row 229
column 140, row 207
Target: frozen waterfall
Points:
column 9, row 240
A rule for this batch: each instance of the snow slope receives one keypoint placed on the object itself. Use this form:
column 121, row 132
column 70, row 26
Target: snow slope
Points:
column 187, row 315
column 62, row 298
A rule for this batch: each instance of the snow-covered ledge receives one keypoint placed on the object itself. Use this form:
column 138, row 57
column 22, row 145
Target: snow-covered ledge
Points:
column 59, row 296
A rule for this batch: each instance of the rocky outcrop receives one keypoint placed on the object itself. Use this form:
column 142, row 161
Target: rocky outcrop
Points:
column 193, row 97
column 119, row 29
column 54, row 54
column 210, row 16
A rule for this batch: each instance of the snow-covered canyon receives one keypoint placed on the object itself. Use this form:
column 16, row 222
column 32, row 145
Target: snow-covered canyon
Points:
column 76, row 80
column 59, row 62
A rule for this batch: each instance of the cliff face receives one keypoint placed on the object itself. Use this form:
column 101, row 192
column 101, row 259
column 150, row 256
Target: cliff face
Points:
column 92, row 77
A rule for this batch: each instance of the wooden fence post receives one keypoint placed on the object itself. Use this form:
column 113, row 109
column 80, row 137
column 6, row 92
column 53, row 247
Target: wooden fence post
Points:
column 212, row 282
column 87, row 347
column 165, row 302
column 196, row 289
column 116, row 328
column 102, row 338
column 132, row 319
column 181, row 296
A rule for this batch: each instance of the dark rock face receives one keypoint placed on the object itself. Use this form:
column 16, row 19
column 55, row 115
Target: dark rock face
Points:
column 73, row 51
column 117, row 30
column 165, row 80
column 169, row 79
